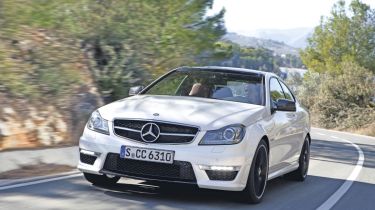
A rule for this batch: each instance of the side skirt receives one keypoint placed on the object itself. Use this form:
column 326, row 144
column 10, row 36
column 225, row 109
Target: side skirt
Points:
column 283, row 171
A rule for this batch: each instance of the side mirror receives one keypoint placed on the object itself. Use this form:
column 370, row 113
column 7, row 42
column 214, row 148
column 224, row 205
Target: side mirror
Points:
column 135, row 90
column 285, row 105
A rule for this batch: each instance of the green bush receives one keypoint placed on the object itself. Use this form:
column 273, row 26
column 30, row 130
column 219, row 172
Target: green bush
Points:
column 340, row 101
column 307, row 92
column 123, row 43
column 37, row 66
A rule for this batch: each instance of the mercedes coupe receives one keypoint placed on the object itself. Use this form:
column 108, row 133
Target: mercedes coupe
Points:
column 216, row 127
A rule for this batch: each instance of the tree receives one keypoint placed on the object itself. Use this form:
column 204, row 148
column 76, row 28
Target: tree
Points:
column 342, row 37
column 294, row 81
column 308, row 89
column 125, row 42
column 227, row 53
column 153, row 37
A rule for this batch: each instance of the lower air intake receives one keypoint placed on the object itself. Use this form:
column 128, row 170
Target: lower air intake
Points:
column 179, row 171
column 221, row 175
column 88, row 159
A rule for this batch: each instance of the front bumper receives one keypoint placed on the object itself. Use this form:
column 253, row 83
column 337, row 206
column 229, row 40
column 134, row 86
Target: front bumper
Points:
column 198, row 156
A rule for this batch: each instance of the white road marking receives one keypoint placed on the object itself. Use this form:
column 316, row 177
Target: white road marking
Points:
column 335, row 197
column 322, row 134
column 345, row 133
column 39, row 181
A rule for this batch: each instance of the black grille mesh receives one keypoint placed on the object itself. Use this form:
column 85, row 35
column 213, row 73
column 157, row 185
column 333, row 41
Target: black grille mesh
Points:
column 164, row 128
column 133, row 124
column 178, row 171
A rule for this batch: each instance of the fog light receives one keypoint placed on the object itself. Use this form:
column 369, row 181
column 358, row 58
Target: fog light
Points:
column 220, row 168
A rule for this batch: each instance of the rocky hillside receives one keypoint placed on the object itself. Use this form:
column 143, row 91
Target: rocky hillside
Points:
column 45, row 101
column 24, row 124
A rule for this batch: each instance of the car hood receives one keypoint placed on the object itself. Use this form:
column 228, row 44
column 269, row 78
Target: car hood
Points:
column 206, row 113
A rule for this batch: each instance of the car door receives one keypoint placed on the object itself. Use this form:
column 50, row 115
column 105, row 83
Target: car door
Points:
column 282, row 131
column 296, row 127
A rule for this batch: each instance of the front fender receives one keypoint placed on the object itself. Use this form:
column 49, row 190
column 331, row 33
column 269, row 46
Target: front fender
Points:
column 254, row 133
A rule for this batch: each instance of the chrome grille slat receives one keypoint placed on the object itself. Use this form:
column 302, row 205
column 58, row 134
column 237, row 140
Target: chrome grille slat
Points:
column 127, row 129
column 165, row 134
column 177, row 134
column 170, row 133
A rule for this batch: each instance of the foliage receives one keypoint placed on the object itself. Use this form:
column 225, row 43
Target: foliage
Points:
column 231, row 54
column 124, row 42
column 345, row 100
column 344, row 36
column 148, row 37
column 339, row 87
column 291, row 61
column 277, row 47
column 340, row 101
column 294, row 81
column 38, row 66
column 310, row 86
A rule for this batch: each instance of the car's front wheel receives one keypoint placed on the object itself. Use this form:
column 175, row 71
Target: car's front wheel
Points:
column 101, row 179
column 257, row 179
column 301, row 173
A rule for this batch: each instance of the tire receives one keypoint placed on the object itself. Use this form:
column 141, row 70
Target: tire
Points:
column 258, row 175
column 101, row 179
column 304, row 159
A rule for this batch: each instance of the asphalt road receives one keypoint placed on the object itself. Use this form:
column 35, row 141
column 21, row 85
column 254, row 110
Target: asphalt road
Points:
column 341, row 176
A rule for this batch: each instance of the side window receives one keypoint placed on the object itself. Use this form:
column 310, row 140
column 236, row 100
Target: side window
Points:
column 276, row 91
column 287, row 93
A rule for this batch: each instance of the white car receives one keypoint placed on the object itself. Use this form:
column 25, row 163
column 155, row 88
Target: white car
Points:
column 216, row 127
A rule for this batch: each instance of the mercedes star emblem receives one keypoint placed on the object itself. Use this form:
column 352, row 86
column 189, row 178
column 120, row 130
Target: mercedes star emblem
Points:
column 150, row 132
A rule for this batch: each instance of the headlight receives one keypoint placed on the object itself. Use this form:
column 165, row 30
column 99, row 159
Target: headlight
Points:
column 231, row 134
column 97, row 123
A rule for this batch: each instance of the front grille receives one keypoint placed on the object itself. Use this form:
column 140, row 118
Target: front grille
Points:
column 88, row 159
column 221, row 175
column 169, row 133
column 180, row 171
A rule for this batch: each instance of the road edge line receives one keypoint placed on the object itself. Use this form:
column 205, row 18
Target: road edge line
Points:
column 346, row 133
column 39, row 180
column 340, row 192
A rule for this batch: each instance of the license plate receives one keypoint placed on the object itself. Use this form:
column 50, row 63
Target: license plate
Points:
column 145, row 154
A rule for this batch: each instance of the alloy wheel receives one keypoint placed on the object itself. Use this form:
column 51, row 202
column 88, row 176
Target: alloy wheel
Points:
column 260, row 172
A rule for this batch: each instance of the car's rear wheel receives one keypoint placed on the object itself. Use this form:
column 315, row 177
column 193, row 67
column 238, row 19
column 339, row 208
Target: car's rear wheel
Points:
column 257, row 179
column 101, row 179
column 301, row 173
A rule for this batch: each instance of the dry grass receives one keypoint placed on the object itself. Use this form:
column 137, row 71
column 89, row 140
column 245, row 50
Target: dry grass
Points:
column 35, row 170
column 368, row 130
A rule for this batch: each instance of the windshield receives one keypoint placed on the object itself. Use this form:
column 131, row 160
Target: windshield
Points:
column 228, row 86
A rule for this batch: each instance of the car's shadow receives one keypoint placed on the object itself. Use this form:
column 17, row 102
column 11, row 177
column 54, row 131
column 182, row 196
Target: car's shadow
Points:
column 183, row 193
column 166, row 191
